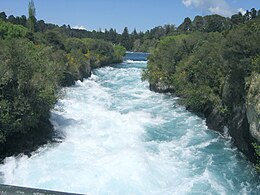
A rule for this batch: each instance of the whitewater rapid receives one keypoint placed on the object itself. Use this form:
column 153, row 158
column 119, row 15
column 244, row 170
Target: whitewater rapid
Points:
column 120, row 138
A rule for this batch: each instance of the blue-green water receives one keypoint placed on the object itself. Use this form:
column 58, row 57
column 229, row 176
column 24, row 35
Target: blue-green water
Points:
column 121, row 138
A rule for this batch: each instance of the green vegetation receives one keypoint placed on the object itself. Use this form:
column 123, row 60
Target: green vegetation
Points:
column 257, row 149
column 35, row 62
column 29, row 80
column 8, row 30
column 209, row 62
column 31, row 17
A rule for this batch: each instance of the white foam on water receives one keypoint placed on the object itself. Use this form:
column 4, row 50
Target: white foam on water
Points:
column 110, row 125
column 135, row 62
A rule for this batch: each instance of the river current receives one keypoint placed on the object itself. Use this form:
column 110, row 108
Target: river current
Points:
column 120, row 138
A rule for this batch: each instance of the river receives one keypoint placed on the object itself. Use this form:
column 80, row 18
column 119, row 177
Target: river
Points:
column 120, row 138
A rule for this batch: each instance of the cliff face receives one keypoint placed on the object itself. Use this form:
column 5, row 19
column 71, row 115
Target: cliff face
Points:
column 210, row 72
column 253, row 107
column 243, row 118
column 234, row 97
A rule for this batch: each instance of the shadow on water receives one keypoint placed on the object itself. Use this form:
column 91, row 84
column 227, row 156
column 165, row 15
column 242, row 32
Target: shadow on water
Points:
column 60, row 123
column 136, row 56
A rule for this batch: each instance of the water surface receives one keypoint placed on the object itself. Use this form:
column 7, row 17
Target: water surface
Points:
column 121, row 138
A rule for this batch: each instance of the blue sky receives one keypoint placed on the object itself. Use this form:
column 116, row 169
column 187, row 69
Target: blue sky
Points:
column 139, row 14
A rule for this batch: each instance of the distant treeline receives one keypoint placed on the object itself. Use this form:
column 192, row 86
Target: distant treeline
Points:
column 142, row 41
column 36, row 60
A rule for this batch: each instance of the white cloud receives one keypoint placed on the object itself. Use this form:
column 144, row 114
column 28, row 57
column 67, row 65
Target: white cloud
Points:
column 79, row 27
column 220, row 11
column 195, row 3
column 242, row 11
column 220, row 7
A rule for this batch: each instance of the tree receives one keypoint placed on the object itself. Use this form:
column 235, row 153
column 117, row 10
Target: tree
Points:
column 186, row 25
column 237, row 18
column 41, row 26
column 135, row 34
column 169, row 28
column 12, row 19
column 9, row 31
column 22, row 20
column 215, row 23
column 198, row 23
column 126, row 39
column 3, row 16
column 31, row 17
column 253, row 13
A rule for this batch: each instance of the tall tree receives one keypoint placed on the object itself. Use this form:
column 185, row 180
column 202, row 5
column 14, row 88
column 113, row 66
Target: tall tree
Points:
column 135, row 34
column 126, row 39
column 31, row 17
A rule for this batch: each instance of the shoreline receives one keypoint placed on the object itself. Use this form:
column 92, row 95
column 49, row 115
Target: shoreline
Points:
column 216, row 122
column 26, row 143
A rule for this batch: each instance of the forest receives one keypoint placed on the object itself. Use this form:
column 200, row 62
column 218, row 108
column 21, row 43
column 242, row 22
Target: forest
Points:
column 213, row 64
column 36, row 61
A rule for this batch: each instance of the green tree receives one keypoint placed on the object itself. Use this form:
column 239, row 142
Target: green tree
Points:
column 8, row 30
column 3, row 16
column 135, row 34
column 126, row 39
column 253, row 13
column 29, row 80
column 186, row 25
column 12, row 19
column 169, row 29
column 31, row 16
column 257, row 152
column 215, row 23
column 237, row 19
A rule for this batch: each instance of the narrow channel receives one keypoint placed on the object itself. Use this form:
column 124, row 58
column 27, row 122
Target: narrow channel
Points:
column 121, row 138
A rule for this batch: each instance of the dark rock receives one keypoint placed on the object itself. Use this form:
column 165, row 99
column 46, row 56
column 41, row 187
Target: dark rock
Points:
column 215, row 120
column 29, row 141
column 239, row 130
column 161, row 88
column 253, row 106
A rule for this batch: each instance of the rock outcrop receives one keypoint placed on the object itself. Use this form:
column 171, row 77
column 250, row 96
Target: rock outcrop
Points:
column 161, row 88
column 242, row 117
column 253, row 107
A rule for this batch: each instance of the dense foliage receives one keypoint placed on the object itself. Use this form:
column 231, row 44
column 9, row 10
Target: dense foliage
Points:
column 136, row 41
column 209, row 61
column 30, row 77
column 34, row 65
column 257, row 149
column 209, row 64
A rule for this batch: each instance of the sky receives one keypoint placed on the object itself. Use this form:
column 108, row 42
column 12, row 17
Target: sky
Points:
column 140, row 14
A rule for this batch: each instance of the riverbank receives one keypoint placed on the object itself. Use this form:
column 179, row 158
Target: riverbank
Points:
column 237, row 124
column 111, row 122
column 32, row 74
column 216, row 75
column 27, row 142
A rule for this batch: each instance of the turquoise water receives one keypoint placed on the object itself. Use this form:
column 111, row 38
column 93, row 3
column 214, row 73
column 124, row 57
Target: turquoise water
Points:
column 121, row 138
